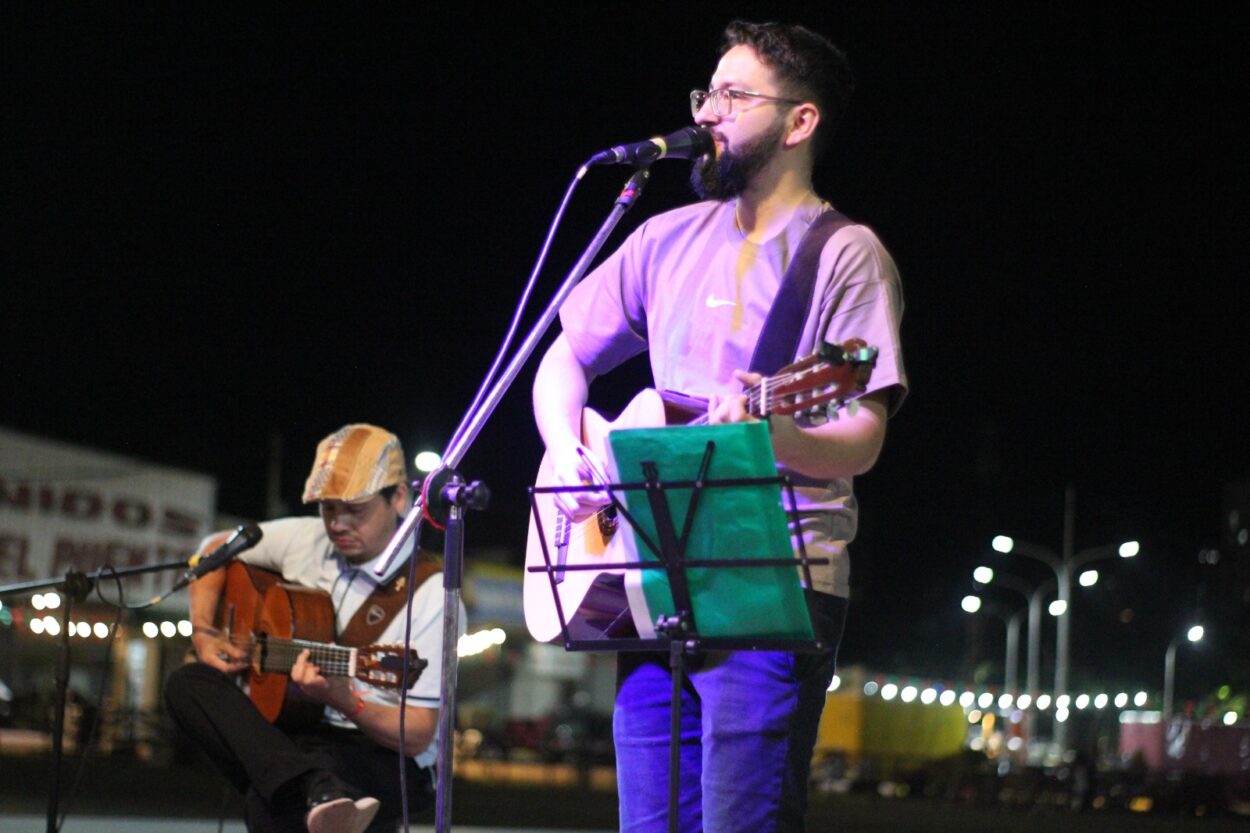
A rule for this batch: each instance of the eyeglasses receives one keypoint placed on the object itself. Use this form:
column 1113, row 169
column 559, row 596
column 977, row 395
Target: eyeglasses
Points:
column 724, row 98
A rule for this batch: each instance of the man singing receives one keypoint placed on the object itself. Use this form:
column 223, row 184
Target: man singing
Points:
column 693, row 287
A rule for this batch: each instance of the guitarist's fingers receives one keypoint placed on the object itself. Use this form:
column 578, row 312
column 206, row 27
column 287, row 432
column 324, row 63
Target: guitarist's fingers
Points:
column 722, row 409
column 304, row 671
column 748, row 378
column 219, row 653
column 578, row 466
column 580, row 505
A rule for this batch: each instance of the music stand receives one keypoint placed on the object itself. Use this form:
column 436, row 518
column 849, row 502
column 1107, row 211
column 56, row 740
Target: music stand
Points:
column 722, row 482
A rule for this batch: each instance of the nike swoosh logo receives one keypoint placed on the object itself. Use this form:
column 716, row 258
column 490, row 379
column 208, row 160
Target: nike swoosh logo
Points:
column 713, row 302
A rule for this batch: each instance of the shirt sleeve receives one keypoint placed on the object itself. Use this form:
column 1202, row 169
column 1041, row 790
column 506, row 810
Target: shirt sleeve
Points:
column 863, row 299
column 604, row 319
column 287, row 546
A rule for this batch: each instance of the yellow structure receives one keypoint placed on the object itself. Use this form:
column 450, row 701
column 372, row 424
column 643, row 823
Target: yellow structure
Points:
column 860, row 727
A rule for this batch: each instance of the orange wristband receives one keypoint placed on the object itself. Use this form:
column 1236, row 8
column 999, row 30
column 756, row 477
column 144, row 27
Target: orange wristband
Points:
column 360, row 706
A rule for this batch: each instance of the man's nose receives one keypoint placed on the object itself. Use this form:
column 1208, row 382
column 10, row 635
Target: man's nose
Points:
column 706, row 115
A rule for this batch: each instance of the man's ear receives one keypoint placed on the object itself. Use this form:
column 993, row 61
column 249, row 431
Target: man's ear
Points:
column 802, row 120
column 401, row 501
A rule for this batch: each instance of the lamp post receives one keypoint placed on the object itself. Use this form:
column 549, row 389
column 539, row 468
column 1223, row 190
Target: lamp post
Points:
column 1011, row 673
column 1034, row 596
column 1194, row 635
column 1064, row 565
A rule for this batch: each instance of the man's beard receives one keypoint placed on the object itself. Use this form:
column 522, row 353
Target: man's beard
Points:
column 727, row 176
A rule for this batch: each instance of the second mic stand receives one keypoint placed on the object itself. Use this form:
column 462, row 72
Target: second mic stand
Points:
column 447, row 497
column 76, row 586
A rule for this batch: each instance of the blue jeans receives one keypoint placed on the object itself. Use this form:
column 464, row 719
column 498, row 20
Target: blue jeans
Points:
column 748, row 726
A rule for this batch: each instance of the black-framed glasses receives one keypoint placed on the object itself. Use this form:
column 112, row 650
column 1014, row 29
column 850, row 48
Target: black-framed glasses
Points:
column 724, row 98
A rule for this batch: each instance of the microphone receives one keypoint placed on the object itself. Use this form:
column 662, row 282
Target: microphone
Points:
column 686, row 143
column 244, row 538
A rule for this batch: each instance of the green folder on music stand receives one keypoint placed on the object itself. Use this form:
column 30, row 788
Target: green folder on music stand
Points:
column 739, row 522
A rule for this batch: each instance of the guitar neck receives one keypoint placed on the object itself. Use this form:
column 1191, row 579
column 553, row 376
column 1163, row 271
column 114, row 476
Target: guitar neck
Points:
column 278, row 655
column 822, row 382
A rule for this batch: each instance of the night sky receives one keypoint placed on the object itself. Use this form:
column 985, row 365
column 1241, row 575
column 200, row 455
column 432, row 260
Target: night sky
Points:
column 223, row 228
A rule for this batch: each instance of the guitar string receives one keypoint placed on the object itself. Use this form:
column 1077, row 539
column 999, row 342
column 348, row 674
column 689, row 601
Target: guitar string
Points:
column 331, row 660
column 284, row 652
column 754, row 392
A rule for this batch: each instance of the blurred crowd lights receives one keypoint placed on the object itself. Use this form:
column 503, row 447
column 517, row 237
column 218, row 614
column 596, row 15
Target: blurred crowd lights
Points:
column 475, row 643
column 51, row 626
column 167, row 629
column 986, row 702
column 45, row 601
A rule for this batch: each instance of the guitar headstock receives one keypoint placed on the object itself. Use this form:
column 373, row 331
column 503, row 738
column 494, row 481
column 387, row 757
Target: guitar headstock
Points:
column 383, row 665
column 821, row 383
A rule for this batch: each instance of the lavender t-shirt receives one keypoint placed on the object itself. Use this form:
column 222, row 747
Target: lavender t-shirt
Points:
column 688, row 286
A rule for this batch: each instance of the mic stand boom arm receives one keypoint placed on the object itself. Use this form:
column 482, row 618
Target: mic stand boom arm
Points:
column 459, row 444
column 453, row 552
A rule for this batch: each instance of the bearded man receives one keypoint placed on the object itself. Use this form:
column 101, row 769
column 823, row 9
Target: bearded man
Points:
column 693, row 287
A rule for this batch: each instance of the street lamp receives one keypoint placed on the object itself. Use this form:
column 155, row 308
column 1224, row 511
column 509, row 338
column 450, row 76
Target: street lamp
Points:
column 1194, row 635
column 972, row 604
column 1064, row 565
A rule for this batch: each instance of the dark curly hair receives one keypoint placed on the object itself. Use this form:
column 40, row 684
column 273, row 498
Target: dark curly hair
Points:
column 808, row 66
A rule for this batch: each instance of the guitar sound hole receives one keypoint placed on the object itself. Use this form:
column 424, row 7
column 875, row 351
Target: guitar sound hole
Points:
column 608, row 522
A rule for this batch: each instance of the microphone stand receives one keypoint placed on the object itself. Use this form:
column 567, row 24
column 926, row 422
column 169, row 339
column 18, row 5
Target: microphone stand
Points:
column 454, row 542
column 76, row 586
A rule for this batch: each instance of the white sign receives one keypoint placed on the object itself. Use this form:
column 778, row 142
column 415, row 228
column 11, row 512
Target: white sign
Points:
column 67, row 507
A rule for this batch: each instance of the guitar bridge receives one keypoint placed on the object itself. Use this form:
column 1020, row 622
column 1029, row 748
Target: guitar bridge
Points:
column 563, row 530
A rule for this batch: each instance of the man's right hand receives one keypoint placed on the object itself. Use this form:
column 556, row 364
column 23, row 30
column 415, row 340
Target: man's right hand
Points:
column 214, row 649
column 577, row 465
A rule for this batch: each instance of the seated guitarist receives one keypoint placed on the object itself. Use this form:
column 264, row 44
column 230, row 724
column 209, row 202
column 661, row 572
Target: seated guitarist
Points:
column 338, row 773
column 693, row 287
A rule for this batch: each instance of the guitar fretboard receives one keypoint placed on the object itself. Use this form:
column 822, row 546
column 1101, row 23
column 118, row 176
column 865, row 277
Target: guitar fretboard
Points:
column 278, row 655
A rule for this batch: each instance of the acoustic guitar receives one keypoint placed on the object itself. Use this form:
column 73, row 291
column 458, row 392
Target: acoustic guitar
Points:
column 275, row 621
column 593, row 600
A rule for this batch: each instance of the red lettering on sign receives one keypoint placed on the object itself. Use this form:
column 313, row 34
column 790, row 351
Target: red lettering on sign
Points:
column 86, row 505
column 175, row 522
column 16, row 495
column 13, row 552
column 132, row 512
column 88, row 556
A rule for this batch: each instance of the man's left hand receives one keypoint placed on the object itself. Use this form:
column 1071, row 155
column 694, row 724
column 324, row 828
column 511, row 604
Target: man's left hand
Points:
column 335, row 692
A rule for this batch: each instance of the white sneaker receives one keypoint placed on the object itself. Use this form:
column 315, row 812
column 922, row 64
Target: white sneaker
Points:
column 342, row 815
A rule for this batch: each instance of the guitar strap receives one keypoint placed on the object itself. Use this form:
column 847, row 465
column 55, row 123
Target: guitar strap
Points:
column 779, row 338
column 377, row 611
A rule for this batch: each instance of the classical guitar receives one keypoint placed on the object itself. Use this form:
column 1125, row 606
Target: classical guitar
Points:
column 593, row 601
column 275, row 621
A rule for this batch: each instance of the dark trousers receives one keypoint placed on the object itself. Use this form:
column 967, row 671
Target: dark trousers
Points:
column 267, row 765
